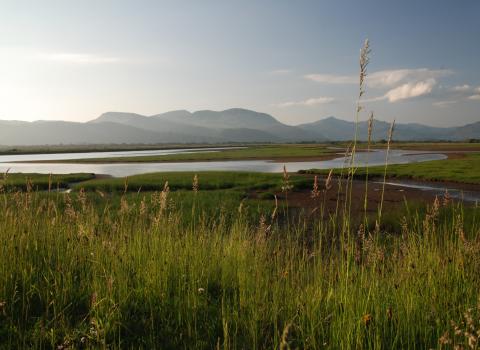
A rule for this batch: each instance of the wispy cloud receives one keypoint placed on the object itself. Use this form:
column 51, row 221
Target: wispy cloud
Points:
column 77, row 58
column 465, row 91
column 474, row 97
column 402, row 84
column 391, row 78
column 443, row 104
column 332, row 79
column 462, row 88
column 384, row 78
column 308, row 102
column 448, row 95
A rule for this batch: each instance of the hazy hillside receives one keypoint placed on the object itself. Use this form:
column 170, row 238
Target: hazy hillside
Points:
column 237, row 118
column 341, row 130
column 469, row 131
column 232, row 125
column 158, row 125
column 236, row 125
column 56, row 132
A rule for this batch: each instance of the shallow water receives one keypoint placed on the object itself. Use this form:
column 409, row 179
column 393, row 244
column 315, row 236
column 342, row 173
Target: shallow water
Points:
column 107, row 154
column 129, row 169
column 438, row 189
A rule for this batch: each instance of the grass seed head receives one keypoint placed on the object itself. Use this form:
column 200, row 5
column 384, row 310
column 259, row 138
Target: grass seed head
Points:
column 286, row 185
column 364, row 60
column 195, row 183
column 284, row 340
column 315, row 191
column 274, row 213
column 367, row 319
column 446, row 198
column 164, row 196
column 389, row 313
column 328, row 180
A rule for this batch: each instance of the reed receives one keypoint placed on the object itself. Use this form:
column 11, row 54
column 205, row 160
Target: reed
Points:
column 369, row 142
column 364, row 60
column 389, row 141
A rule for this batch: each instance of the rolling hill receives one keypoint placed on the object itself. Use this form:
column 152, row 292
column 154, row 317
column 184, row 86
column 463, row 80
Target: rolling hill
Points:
column 341, row 130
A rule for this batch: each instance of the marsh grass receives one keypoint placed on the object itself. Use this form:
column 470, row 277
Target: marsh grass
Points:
column 19, row 181
column 210, row 180
column 82, row 270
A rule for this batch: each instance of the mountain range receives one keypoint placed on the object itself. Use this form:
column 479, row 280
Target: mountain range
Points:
column 231, row 125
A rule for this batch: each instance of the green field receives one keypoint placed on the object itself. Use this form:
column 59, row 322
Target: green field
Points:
column 465, row 170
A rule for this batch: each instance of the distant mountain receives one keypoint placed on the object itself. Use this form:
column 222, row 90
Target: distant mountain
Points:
column 469, row 131
column 237, row 118
column 342, row 130
column 231, row 125
column 246, row 125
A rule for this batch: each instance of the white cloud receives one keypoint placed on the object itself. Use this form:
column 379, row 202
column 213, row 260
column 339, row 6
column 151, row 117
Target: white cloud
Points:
column 443, row 104
column 401, row 83
column 410, row 90
column 77, row 58
column 391, row 78
column 308, row 102
column 332, row 79
column 387, row 78
column 461, row 88
column 466, row 92
column 384, row 78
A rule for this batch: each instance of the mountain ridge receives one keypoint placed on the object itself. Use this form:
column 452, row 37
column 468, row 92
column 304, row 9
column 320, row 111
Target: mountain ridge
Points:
column 206, row 126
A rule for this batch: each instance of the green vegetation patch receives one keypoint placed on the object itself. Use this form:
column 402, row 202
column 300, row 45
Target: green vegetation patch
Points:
column 212, row 180
column 41, row 181
column 250, row 152
column 466, row 170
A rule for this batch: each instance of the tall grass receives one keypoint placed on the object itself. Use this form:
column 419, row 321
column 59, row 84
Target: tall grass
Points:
column 79, row 270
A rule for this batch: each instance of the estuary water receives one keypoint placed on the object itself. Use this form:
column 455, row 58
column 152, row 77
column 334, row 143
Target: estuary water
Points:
column 106, row 154
column 18, row 163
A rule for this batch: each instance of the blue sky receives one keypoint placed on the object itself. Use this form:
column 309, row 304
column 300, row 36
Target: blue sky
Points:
column 297, row 60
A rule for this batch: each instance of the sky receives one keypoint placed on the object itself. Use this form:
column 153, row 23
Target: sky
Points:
column 296, row 60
